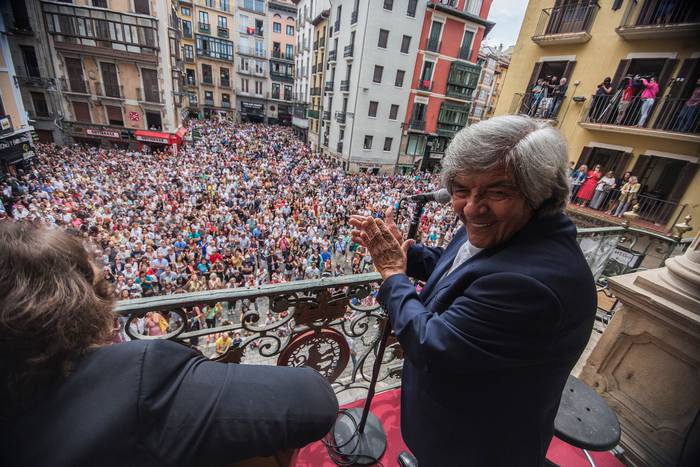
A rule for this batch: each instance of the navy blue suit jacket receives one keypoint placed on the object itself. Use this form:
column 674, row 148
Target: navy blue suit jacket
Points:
column 489, row 347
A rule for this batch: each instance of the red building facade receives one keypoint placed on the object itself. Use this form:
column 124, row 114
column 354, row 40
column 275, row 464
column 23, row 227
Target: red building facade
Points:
column 445, row 75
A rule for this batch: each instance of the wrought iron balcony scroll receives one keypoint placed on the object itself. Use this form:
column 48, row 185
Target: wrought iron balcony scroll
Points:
column 311, row 323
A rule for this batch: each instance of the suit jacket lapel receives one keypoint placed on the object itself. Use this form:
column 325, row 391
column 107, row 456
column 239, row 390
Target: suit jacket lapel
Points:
column 444, row 262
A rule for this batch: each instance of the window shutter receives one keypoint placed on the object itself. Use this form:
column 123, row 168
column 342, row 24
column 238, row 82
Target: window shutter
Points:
column 685, row 176
column 640, row 166
column 585, row 156
column 621, row 71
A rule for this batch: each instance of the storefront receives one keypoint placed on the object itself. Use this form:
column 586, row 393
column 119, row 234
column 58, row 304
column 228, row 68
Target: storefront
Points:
column 100, row 136
column 252, row 112
column 159, row 141
column 16, row 149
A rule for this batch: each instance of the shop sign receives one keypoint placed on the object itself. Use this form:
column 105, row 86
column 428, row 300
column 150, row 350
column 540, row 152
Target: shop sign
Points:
column 6, row 124
column 253, row 106
column 152, row 139
column 103, row 133
column 16, row 148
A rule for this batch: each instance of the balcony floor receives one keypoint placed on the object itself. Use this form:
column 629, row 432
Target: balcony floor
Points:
column 386, row 406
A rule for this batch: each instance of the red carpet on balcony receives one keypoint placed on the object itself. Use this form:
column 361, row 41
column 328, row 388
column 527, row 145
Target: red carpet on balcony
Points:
column 386, row 406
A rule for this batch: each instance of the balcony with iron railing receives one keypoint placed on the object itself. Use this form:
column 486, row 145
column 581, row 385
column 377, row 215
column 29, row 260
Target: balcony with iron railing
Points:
column 281, row 55
column 315, row 91
column 222, row 32
column 282, row 75
column 225, row 83
column 324, row 142
column 656, row 19
column 327, row 116
column 418, row 125
column 340, row 117
column 353, row 17
column 113, row 91
column 189, row 58
column 152, row 96
column 34, row 81
column 536, row 105
column 345, row 85
column 251, row 51
column 465, row 52
column 207, row 80
column 329, row 86
column 425, row 85
column 209, row 102
column 568, row 24
column 348, row 51
column 668, row 117
column 75, row 86
column 332, row 54
column 433, row 44
column 204, row 27
column 339, row 146
column 336, row 26
column 312, row 323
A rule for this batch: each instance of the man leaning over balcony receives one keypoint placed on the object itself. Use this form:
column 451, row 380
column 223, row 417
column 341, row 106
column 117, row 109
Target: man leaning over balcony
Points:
column 69, row 398
column 506, row 310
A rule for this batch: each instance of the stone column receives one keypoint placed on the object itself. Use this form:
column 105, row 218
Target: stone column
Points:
column 646, row 364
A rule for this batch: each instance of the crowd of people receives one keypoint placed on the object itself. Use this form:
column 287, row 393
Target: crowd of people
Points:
column 245, row 205
column 603, row 191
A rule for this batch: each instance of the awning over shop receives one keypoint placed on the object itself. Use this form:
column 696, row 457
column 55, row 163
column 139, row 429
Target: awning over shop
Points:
column 147, row 136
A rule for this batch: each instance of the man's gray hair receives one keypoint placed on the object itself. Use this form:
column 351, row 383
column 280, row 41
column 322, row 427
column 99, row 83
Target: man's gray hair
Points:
column 533, row 152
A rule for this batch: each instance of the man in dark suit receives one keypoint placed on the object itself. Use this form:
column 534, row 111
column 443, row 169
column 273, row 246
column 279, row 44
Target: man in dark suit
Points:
column 507, row 307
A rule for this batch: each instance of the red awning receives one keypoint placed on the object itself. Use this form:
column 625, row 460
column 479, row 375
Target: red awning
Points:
column 180, row 134
column 157, row 137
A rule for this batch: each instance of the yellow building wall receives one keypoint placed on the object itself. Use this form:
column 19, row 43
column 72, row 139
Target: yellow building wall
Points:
column 596, row 59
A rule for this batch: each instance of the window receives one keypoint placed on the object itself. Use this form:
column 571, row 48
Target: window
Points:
column 378, row 70
column 259, row 25
column 405, row 44
column 141, row 6
column 373, row 105
column 214, row 48
column 74, row 70
column 275, row 90
column 399, row 78
column 290, row 30
column 40, row 107
column 225, row 77
column 387, row 143
column 257, row 6
column 277, row 27
column 114, row 115
column 31, row 64
column 206, row 74
column 383, row 38
column 190, row 77
column 411, row 10
column 188, row 51
column 393, row 112
column 153, row 121
column 258, row 87
column 192, row 96
column 225, row 100
column 465, row 50
column 150, row 85
column 81, row 111
column 223, row 23
column 186, row 28
column 224, row 5
column 204, row 17
column 287, row 92
column 110, row 82
column 368, row 142
column 389, row 5
column 472, row 6
column 209, row 97
column 185, row 11
column 244, row 85
column 290, row 51
column 416, row 145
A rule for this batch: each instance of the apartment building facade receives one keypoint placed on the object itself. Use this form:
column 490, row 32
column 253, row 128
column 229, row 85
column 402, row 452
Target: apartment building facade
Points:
column 207, row 50
column 16, row 140
column 366, row 89
column 444, row 80
column 318, row 79
column 494, row 64
column 282, row 16
column 642, row 39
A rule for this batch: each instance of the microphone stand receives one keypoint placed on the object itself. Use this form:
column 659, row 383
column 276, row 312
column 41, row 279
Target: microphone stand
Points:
column 364, row 442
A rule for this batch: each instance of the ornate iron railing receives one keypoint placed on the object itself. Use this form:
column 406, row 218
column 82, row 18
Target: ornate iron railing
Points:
column 333, row 324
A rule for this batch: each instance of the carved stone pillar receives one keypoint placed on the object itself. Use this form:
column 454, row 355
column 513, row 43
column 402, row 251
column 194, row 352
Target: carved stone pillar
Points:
column 646, row 364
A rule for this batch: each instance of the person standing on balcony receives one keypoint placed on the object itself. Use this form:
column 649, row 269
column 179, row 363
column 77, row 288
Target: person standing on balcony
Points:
column 558, row 94
column 602, row 190
column 506, row 310
column 577, row 179
column 66, row 393
column 628, row 94
column 584, row 195
column 600, row 100
column 628, row 196
column 688, row 116
column 651, row 89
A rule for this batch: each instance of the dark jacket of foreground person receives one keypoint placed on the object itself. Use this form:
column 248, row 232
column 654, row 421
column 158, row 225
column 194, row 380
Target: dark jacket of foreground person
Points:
column 154, row 403
column 489, row 348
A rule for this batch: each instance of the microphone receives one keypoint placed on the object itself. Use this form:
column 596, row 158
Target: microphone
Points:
column 441, row 196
